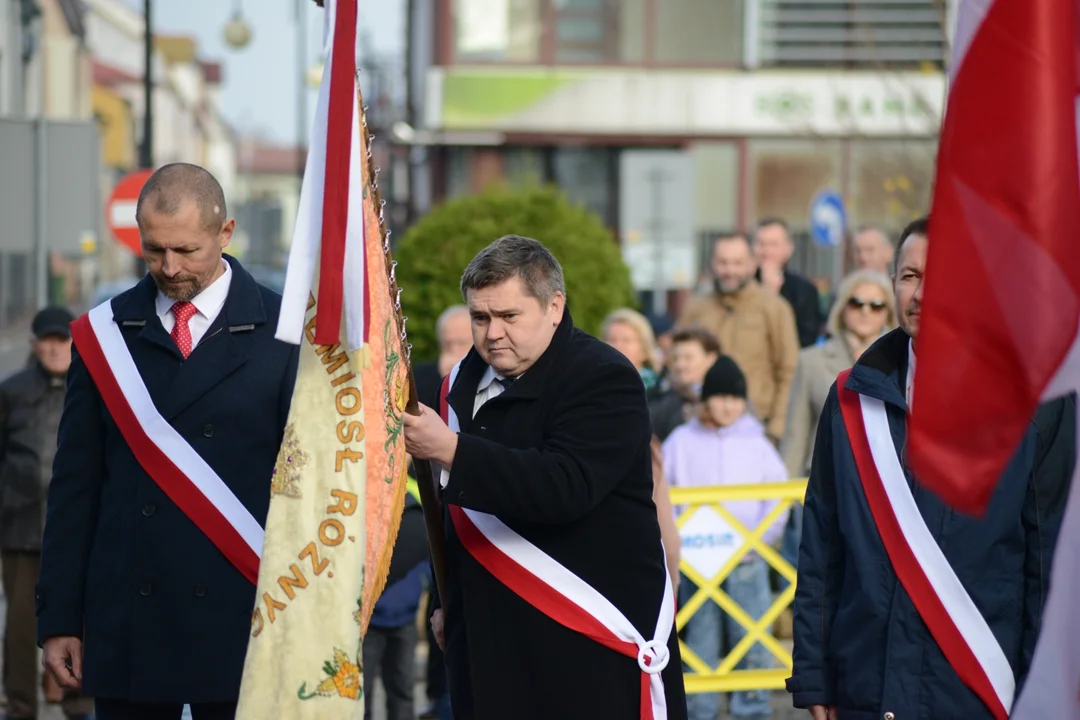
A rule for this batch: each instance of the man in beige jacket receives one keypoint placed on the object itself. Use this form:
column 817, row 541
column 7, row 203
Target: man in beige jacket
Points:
column 755, row 327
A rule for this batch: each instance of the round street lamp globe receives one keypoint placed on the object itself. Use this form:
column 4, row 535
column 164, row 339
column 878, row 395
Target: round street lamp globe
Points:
column 314, row 75
column 237, row 32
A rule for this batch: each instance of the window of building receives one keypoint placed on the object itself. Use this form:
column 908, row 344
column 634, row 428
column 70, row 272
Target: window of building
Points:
column 524, row 166
column 471, row 170
column 589, row 177
column 506, row 31
column 883, row 33
column 598, row 31
column 785, row 176
column 698, row 32
column 716, row 171
column 458, row 165
column 891, row 181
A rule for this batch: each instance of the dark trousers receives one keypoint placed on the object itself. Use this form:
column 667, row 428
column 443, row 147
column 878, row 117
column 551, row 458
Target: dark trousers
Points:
column 124, row 710
column 436, row 663
column 390, row 653
column 21, row 665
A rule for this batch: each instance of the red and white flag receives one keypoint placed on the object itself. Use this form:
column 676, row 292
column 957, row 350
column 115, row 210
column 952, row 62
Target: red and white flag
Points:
column 999, row 327
column 329, row 231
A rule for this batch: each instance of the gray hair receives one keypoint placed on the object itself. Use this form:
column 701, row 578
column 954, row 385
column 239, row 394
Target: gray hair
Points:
column 515, row 256
column 835, row 324
column 445, row 315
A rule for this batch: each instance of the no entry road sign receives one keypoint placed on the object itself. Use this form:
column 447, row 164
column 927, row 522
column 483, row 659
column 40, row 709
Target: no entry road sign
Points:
column 120, row 209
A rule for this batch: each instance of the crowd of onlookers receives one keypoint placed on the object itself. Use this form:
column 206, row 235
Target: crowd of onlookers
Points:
column 736, row 386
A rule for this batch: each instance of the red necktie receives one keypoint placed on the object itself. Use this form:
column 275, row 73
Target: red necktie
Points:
column 181, row 333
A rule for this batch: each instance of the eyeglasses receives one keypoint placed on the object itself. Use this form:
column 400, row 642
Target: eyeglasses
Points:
column 857, row 303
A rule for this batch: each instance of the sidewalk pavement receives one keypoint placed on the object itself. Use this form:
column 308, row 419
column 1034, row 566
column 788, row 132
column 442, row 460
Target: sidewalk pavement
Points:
column 781, row 701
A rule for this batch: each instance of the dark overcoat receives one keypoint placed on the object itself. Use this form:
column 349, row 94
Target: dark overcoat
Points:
column 163, row 615
column 562, row 457
column 860, row 643
column 30, row 404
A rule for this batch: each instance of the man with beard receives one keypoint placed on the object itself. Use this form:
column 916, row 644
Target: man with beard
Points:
column 905, row 608
column 756, row 328
column 177, row 399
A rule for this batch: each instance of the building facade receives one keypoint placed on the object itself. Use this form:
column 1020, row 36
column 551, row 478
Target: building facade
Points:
column 49, row 151
column 674, row 120
column 188, row 126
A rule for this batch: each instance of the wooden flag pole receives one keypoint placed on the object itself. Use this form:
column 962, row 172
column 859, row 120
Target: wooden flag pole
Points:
column 425, row 478
column 429, row 499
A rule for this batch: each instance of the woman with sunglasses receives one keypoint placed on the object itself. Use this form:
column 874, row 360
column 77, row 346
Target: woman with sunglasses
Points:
column 864, row 309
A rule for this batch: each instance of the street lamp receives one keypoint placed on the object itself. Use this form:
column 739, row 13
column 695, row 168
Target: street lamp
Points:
column 237, row 30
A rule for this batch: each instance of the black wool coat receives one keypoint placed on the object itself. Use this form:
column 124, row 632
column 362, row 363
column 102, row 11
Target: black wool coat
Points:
column 163, row 615
column 562, row 457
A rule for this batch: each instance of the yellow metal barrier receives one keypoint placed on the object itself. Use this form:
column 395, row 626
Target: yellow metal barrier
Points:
column 724, row 678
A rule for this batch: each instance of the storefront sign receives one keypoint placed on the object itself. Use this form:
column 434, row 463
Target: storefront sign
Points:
column 615, row 101
column 795, row 105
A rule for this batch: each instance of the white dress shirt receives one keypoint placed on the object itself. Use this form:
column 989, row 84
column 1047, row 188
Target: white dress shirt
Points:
column 208, row 304
column 489, row 388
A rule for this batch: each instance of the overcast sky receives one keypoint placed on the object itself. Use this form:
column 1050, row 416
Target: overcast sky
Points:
column 260, row 87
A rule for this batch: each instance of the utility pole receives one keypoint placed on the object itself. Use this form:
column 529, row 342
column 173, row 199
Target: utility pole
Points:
column 413, row 153
column 301, row 92
column 146, row 148
column 146, row 151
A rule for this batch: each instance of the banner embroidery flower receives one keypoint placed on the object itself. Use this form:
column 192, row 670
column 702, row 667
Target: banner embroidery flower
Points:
column 343, row 679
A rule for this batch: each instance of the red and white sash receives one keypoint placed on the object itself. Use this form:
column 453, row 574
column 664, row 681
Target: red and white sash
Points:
column 161, row 451
column 937, row 593
column 541, row 581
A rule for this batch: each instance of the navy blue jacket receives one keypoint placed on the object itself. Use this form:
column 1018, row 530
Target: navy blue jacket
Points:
column 860, row 644
column 163, row 615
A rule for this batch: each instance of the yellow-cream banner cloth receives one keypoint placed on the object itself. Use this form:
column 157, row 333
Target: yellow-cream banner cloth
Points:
column 337, row 495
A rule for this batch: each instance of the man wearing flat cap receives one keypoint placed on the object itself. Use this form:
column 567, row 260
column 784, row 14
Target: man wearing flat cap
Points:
column 31, row 401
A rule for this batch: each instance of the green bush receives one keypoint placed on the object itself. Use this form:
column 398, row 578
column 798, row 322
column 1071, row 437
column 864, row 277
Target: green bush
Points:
column 434, row 252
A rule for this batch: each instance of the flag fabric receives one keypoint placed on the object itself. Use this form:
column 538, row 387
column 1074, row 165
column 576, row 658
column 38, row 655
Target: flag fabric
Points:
column 1002, row 290
column 340, row 481
column 329, row 235
column 1001, row 300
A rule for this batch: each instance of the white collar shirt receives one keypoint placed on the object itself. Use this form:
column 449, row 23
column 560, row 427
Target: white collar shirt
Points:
column 489, row 388
column 208, row 304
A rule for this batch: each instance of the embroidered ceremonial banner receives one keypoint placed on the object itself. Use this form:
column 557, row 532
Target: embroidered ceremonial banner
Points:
column 339, row 485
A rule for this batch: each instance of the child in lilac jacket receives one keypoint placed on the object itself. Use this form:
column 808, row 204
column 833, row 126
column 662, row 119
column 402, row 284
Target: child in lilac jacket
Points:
column 726, row 445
